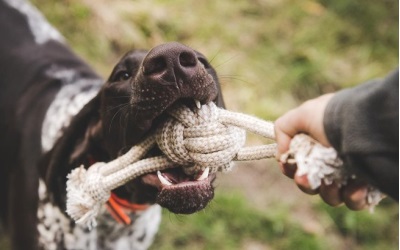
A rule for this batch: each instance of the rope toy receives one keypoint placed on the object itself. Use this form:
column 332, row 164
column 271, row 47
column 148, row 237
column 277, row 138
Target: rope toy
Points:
column 208, row 138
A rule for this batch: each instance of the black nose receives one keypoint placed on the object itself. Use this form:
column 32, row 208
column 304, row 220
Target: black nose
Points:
column 170, row 63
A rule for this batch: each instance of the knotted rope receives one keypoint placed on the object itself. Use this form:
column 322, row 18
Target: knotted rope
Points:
column 208, row 137
column 211, row 138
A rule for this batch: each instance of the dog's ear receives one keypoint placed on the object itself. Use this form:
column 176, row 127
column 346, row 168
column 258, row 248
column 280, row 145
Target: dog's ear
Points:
column 79, row 140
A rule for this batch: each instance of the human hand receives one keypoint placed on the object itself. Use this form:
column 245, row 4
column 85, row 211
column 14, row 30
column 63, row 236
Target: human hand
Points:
column 308, row 118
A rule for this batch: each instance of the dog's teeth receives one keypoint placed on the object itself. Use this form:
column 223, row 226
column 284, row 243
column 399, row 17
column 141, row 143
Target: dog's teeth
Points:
column 204, row 175
column 162, row 179
column 198, row 104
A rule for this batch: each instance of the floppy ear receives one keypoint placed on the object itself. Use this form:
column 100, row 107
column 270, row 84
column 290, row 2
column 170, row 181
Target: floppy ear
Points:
column 80, row 140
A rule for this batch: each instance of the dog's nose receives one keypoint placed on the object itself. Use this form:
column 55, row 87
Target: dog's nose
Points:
column 170, row 63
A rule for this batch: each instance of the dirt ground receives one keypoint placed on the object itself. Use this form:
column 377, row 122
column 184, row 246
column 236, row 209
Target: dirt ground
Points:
column 265, row 187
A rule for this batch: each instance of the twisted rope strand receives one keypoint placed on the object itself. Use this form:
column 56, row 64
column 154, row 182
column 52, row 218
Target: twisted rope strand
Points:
column 139, row 168
column 134, row 154
column 256, row 152
column 248, row 122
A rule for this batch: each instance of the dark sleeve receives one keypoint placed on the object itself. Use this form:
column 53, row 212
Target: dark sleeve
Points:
column 362, row 124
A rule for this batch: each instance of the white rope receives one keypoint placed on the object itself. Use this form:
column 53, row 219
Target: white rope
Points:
column 208, row 137
column 322, row 164
column 88, row 189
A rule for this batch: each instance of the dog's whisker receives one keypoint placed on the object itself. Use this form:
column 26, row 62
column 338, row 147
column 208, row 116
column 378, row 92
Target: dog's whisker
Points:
column 233, row 77
column 215, row 56
column 118, row 106
column 121, row 96
column 123, row 119
column 116, row 113
column 224, row 62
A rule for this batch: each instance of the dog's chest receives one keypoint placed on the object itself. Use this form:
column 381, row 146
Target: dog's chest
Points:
column 56, row 230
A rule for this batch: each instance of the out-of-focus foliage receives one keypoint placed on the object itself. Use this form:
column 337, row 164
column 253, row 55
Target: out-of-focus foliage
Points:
column 276, row 52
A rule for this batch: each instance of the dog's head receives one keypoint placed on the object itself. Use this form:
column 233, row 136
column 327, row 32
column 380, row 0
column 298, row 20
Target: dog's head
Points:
column 130, row 105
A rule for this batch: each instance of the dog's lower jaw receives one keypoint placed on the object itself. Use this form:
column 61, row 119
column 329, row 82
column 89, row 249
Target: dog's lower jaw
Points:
column 186, row 198
column 184, row 195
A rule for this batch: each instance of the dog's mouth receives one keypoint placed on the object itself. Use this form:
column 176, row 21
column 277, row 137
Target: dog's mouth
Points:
column 179, row 192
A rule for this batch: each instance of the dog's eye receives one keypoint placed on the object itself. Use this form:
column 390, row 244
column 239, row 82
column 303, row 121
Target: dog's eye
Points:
column 122, row 76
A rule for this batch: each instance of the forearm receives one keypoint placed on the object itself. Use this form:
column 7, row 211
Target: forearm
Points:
column 362, row 125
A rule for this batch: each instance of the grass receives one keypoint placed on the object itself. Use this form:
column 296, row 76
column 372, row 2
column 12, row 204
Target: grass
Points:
column 271, row 56
column 377, row 230
column 230, row 223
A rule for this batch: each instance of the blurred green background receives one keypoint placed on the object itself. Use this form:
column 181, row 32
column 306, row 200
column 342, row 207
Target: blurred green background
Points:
column 271, row 55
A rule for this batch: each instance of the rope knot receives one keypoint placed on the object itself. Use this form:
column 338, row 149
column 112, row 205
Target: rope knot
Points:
column 94, row 183
column 197, row 139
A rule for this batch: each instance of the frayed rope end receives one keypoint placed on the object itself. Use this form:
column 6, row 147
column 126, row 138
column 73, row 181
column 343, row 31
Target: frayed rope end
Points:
column 83, row 200
column 322, row 164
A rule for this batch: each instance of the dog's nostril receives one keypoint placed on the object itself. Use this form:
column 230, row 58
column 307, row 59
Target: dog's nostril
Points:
column 154, row 65
column 187, row 59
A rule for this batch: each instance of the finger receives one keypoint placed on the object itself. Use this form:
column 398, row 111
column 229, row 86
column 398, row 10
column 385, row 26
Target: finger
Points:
column 304, row 185
column 288, row 126
column 316, row 110
column 292, row 122
column 282, row 140
column 331, row 194
column 288, row 169
column 355, row 195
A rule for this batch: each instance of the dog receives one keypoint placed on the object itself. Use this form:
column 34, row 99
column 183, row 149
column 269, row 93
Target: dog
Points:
column 56, row 113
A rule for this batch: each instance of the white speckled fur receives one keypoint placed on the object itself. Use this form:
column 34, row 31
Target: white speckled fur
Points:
column 75, row 92
column 40, row 28
column 56, row 230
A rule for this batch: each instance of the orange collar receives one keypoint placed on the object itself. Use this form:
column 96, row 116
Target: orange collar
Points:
column 118, row 208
